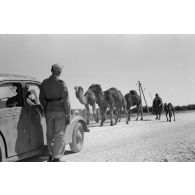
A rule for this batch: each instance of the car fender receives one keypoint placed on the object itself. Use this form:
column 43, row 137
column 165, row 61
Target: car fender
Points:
column 69, row 131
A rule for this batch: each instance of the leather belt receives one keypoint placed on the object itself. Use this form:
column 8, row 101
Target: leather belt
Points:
column 54, row 99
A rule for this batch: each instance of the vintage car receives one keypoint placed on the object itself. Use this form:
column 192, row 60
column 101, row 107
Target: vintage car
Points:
column 22, row 120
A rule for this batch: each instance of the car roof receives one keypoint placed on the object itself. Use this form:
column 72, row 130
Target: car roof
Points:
column 15, row 77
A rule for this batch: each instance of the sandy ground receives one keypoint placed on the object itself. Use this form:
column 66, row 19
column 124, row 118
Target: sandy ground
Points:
column 148, row 140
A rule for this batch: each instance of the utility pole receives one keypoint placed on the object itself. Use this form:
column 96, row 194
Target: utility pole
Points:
column 139, row 85
column 142, row 92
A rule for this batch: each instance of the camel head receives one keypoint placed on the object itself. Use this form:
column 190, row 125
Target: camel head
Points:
column 89, row 93
column 165, row 106
column 78, row 90
column 107, row 95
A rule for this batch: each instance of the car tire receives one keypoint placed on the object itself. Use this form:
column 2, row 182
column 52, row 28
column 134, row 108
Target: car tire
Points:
column 2, row 150
column 77, row 138
column 1, row 156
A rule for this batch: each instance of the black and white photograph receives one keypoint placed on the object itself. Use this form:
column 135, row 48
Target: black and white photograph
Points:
column 102, row 98
column 97, row 97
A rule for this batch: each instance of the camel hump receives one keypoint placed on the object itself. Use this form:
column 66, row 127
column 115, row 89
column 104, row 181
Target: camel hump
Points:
column 170, row 105
column 113, row 90
column 96, row 88
column 133, row 92
column 113, row 94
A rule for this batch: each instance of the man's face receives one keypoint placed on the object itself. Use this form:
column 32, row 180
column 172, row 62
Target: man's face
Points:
column 56, row 73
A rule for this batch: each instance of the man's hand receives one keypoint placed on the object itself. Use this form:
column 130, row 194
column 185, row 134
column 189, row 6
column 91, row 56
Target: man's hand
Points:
column 67, row 120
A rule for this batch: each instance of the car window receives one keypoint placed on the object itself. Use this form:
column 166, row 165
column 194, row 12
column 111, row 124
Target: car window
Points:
column 10, row 95
column 33, row 92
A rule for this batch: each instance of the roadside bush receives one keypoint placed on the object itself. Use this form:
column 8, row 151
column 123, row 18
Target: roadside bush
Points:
column 191, row 107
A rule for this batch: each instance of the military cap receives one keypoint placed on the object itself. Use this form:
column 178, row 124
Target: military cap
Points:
column 57, row 67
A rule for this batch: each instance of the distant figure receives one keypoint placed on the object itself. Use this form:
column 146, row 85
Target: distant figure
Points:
column 169, row 109
column 157, row 106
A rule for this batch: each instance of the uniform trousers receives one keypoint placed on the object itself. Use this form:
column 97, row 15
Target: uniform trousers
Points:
column 56, row 126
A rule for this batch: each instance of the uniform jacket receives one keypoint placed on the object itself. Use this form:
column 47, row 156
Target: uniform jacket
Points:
column 54, row 88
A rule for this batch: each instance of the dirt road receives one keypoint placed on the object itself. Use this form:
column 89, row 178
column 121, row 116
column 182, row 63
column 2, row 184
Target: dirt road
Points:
column 148, row 140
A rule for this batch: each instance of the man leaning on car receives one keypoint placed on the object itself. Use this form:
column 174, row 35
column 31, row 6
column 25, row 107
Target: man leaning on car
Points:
column 55, row 100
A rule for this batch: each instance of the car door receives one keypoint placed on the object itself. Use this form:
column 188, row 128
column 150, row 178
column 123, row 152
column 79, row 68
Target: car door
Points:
column 36, row 116
column 13, row 118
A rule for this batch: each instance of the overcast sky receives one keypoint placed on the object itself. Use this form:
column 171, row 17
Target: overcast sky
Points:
column 165, row 64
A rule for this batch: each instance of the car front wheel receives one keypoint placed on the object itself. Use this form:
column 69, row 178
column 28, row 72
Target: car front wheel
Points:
column 77, row 138
column 2, row 154
column 2, row 150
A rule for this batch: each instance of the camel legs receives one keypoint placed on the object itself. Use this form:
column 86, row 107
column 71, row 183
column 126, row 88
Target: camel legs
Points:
column 129, row 114
column 139, row 110
column 87, row 109
column 103, row 117
column 111, row 117
column 126, row 114
column 95, row 113
column 170, row 115
column 115, row 116
column 167, row 116
column 173, row 114
column 118, row 115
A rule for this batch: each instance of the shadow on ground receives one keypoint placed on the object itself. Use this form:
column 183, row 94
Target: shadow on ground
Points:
column 42, row 157
column 106, row 123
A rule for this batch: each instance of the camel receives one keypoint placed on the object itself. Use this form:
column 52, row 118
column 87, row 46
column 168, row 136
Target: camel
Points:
column 124, row 106
column 169, row 109
column 87, row 99
column 100, row 101
column 133, row 99
column 112, row 99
